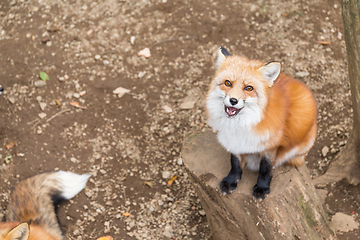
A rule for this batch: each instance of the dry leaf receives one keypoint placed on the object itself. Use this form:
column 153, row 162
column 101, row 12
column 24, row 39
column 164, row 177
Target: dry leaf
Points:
column 10, row 145
column 144, row 53
column 126, row 214
column 323, row 42
column 120, row 91
column 149, row 184
column 105, row 238
column 77, row 105
column 58, row 104
column 171, row 181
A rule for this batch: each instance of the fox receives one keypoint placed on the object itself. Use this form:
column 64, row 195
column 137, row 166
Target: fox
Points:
column 262, row 117
column 31, row 211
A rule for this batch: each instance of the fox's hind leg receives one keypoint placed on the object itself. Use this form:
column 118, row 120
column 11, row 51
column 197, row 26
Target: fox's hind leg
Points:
column 229, row 183
column 262, row 186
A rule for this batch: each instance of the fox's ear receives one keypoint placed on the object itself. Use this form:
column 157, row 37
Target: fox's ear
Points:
column 20, row 232
column 222, row 54
column 270, row 71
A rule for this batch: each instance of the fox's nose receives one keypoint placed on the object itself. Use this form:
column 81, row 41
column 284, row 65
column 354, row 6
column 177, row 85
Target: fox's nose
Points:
column 233, row 101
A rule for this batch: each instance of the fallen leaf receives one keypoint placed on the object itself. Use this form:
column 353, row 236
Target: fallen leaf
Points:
column 44, row 76
column 323, row 42
column 149, row 184
column 82, row 93
column 171, row 181
column 144, row 53
column 10, row 145
column 8, row 159
column 77, row 105
column 126, row 214
column 120, row 91
column 58, row 104
column 105, row 238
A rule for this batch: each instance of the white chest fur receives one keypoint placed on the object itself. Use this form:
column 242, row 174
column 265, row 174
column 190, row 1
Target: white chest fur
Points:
column 240, row 140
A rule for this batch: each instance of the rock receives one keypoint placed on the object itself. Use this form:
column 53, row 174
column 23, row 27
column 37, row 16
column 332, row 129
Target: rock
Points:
column 325, row 151
column 187, row 105
column 167, row 109
column 42, row 106
column 167, row 232
column 11, row 100
column 165, row 174
column 144, row 53
column 39, row 83
column 343, row 223
column 301, row 74
column 132, row 40
column 42, row 115
column 97, row 57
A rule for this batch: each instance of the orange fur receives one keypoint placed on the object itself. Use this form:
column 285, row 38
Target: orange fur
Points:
column 290, row 117
column 31, row 211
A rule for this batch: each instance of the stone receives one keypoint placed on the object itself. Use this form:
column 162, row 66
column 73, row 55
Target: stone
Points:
column 341, row 222
column 301, row 74
column 324, row 151
column 42, row 115
column 39, row 83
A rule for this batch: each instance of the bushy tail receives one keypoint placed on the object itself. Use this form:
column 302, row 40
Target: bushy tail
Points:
column 33, row 199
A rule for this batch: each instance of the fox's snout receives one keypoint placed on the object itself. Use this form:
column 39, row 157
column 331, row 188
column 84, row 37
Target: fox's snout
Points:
column 233, row 101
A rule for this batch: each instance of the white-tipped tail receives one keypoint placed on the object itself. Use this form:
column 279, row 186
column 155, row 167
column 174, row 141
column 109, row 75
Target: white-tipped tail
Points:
column 71, row 183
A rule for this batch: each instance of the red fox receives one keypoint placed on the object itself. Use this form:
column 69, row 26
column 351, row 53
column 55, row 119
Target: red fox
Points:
column 262, row 117
column 31, row 212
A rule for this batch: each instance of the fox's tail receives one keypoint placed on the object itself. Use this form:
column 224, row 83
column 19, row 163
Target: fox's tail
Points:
column 33, row 199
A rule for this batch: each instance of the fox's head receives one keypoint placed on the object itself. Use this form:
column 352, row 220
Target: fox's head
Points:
column 239, row 89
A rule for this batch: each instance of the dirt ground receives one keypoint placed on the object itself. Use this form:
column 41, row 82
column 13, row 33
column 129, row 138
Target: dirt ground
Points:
column 131, row 144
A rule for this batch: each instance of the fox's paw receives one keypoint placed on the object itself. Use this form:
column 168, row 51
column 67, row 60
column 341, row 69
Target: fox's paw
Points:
column 259, row 192
column 229, row 183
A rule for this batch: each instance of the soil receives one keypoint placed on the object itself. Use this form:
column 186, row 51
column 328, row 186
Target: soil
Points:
column 131, row 144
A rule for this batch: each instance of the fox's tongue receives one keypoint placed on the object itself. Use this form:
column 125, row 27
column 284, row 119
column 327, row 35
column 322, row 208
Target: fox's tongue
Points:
column 231, row 110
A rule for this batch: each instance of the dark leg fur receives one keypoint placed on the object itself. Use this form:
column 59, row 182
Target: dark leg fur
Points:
column 262, row 186
column 229, row 183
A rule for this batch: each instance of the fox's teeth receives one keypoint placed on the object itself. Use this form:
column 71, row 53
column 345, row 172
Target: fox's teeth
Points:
column 231, row 111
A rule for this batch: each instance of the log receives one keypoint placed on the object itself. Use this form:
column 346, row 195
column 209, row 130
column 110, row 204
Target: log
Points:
column 292, row 210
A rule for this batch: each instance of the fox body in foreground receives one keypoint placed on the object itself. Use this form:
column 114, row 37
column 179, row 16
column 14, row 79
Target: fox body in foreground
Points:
column 262, row 117
column 31, row 212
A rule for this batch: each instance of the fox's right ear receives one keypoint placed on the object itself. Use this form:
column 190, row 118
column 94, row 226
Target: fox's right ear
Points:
column 20, row 232
column 222, row 54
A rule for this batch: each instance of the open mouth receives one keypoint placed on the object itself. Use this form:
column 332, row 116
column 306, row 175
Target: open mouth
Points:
column 232, row 111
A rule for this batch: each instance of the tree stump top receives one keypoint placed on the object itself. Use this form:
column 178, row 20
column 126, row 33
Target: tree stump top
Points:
column 292, row 210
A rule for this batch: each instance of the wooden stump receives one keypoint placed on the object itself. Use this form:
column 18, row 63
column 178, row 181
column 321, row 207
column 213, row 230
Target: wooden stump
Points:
column 291, row 211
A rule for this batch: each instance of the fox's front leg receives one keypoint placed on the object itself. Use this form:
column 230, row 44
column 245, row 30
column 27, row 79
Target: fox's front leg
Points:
column 229, row 183
column 262, row 187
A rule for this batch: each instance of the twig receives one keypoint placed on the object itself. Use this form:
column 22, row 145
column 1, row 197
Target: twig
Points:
column 170, row 40
column 57, row 114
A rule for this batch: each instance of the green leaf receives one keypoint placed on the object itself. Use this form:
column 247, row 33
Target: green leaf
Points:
column 44, row 76
column 8, row 159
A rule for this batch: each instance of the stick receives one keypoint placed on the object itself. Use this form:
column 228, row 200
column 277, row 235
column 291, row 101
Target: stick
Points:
column 57, row 114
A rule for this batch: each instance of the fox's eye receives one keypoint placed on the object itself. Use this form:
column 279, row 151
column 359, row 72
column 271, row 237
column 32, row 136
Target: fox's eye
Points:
column 228, row 83
column 249, row 88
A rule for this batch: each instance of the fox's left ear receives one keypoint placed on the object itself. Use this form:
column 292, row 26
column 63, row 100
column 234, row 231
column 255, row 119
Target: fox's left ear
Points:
column 20, row 232
column 270, row 71
column 222, row 54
